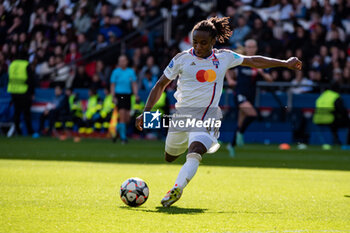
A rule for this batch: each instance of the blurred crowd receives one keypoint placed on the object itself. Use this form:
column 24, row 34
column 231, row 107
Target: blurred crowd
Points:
column 71, row 43
column 317, row 32
column 56, row 34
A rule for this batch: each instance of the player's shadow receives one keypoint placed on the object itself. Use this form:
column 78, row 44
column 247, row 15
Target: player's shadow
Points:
column 179, row 210
column 347, row 196
column 169, row 210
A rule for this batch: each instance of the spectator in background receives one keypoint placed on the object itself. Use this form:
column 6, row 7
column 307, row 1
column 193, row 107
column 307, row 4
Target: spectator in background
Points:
column 37, row 21
column 6, row 52
column 63, row 42
column 286, row 76
column 103, row 72
column 16, row 27
column 94, row 29
column 105, row 114
column 148, row 80
column 315, row 75
column 240, row 33
column 111, row 38
column 328, row 16
column 44, row 70
column 56, row 111
column 258, row 29
column 96, row 82
column 107, row 28
column 3, row 72
column 151, row 66
column 39, row 41
column 123, row 84
column 83, row 45
column 299, row 9
column 337, row 76
column 91, row 113
column 331, row 112
column 249, row 15
column 124, row 12
column 315, row 9
column 82, row 20
column 100, row 42
column 73, row 54
column 286, row 10
column 81, row 79
column 62, row 74
column 300, row 83
column 23, row 44
column 21, row 87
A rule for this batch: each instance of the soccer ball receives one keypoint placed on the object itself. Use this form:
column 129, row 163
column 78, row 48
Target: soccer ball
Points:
column 134, row 192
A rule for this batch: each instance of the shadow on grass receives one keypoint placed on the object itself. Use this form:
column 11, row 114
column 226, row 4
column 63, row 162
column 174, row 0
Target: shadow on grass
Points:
column 181, row 210
column 169, row 210
column 151, row 152
column 245, row 212
column 347, row 196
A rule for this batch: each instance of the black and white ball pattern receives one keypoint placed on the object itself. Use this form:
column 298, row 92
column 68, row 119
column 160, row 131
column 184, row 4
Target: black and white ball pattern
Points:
column 134, row 192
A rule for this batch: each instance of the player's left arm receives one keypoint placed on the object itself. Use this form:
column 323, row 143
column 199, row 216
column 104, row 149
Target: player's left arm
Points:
column 135, row 90
column 262, row 62
column 266, row 76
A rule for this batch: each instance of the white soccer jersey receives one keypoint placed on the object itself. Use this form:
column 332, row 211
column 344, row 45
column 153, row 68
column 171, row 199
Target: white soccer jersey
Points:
column 200, row 80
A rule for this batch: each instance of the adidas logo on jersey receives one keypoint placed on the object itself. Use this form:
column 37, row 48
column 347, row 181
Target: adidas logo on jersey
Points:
column 193, row 64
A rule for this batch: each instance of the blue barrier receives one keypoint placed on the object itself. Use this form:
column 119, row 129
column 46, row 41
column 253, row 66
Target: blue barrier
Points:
column 268, row 131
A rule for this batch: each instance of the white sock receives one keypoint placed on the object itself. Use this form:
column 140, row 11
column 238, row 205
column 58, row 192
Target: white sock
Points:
column 188, row 170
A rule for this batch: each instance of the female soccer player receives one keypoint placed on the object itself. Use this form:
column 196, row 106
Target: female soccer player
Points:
column 245, row 95
column 201, row 72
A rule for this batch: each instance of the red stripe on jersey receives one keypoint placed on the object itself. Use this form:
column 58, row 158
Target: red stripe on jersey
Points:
column 211, row 101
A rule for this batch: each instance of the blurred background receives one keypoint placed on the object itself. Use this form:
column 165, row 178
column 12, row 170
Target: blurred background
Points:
column 72, row 48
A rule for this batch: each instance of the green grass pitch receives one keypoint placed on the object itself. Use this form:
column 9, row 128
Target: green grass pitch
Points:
column 48, row 185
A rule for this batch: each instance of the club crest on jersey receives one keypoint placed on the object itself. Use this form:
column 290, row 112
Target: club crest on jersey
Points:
column 216, row 62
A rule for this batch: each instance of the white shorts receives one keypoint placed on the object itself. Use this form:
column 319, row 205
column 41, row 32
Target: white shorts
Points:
column 178, row 142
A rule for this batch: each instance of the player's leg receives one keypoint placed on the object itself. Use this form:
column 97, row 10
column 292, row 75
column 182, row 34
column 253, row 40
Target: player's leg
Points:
column 27, row 115
column 248, row 115
column 200, row 143
column 124, row 106
column 170, row 158
column 121, row 127
column 187, row 171
column 231, row 146
column 17, row 115
column 175, row 145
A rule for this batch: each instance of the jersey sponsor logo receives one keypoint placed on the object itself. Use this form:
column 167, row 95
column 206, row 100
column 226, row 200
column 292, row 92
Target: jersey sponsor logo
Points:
column 151, row 120
column 171, row 64
column 193, row 64
column 206, row 75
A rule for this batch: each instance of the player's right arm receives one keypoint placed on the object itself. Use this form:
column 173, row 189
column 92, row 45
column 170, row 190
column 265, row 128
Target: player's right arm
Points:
column 153, row 97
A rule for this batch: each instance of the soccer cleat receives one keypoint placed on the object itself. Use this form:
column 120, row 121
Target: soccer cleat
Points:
column 231, row 150
column 239, row 139
column 171, row 197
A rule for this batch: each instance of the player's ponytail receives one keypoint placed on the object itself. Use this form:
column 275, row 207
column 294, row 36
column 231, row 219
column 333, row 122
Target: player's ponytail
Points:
column 218, row 28
column 223, row 28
